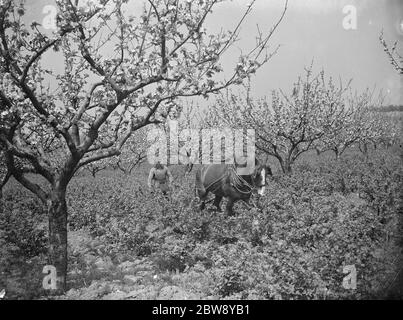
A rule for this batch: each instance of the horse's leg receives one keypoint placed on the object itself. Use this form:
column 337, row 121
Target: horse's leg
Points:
column 217, row 202
column 230, row 204
column 202, row 197
column 200, row 191
column 189, row 168
column 166, row 195
column 202, row 205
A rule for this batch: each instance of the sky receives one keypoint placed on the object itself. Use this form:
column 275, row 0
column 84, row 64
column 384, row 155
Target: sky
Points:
column 311, row 31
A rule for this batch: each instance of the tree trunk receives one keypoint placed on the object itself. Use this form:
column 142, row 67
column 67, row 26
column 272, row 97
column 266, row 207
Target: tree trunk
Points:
column 286, row 166
column 57, row 212
column 336, row 153
column 2, row 184
column 1, row 200
column 363, row 148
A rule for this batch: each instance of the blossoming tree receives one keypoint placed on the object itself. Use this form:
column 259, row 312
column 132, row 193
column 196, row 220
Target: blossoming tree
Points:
column 120, row 72
column 291, row 124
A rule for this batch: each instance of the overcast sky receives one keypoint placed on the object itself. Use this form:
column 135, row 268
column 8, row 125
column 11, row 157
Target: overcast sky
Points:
column 311, row 30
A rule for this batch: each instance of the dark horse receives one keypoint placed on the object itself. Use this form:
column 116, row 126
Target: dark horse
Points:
column 223, row 181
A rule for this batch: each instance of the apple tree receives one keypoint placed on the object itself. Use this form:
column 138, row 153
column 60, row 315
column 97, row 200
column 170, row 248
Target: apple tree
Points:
column 118, row 71
column 289, row 124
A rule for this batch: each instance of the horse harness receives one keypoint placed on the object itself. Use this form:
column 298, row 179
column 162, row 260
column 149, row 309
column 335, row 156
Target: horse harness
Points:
column 236, row 181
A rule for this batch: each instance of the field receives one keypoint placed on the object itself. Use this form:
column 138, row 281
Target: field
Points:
column 125, row 243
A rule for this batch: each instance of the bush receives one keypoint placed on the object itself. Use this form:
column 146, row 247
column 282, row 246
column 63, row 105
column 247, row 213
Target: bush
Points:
column 23, row 225
column 292, row 245
column 23, row 245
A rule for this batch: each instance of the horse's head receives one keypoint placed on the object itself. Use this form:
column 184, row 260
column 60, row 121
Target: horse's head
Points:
column 259, row 177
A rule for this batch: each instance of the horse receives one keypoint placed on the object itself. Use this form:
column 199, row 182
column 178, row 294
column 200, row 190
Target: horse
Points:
column 223, row 181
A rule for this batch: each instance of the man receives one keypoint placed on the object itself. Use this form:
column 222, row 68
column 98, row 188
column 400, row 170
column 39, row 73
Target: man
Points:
column 160, row 177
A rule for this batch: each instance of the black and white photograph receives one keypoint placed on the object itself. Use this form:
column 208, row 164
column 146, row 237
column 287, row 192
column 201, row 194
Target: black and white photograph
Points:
column 214, row 151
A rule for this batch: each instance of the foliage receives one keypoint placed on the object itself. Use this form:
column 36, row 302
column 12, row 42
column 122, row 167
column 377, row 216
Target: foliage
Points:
column 318, row 114
column 292, row 246
column 160, row 54
column 21, row 227
column 23, row 245
column 164, row 53
column 133, row 153
column 395, row 58
column 290, row 124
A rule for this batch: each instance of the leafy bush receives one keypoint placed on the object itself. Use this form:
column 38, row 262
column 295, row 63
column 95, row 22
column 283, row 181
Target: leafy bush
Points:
column 292, row 245
column 23, row 245
column 23, row 225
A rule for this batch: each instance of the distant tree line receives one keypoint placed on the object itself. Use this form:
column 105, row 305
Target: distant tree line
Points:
column 390, row 108
column 318, row 115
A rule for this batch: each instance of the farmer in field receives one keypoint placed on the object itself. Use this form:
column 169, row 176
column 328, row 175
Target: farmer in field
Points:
column 160, row 177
